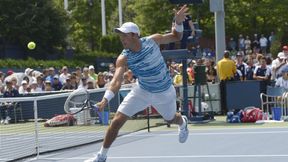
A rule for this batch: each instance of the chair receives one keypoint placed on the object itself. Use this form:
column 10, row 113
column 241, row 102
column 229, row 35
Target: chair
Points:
column 285, row 106
column 16, row 108
column 272, row 98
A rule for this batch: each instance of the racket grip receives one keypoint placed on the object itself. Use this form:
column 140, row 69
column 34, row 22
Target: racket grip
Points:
column 95, row 107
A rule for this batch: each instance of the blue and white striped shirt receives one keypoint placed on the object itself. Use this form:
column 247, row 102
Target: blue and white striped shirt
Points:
column 149, row 66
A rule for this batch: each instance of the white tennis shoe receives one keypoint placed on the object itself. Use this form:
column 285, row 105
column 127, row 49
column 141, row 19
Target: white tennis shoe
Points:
column 184, row 132
column 98, row 158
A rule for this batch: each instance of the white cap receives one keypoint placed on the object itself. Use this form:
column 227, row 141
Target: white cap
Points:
column 28, row 71
column 91, row 67
column 23, row 82
column 281, row 55
column 128, row 27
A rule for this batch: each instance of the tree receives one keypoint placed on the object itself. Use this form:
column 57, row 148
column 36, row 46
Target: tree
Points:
column 86, row 29
column 33, row 20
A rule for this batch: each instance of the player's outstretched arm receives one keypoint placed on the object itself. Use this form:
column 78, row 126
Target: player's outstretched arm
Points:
column 177, row 28
column 115, row 83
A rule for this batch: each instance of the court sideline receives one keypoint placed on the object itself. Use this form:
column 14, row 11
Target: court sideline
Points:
column 217, row 145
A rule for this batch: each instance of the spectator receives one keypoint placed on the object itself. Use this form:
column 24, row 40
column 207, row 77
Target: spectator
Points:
column 241, row 43
column 232, row 45
column 67, row 85
column 238, row 75
column 51, row 74
column 263, row 74
column 40, row 83
column 23, row 89
column 10, row 72
column 78, row 74
column 271, row 39
column 250, row 68
column 211, row 72
column 263, row 44
column 48, row 86
column 1, row 81
column 255, row 43
column 285, row 50
column 56, row 84
column 101, row 80
column 15, row 82
column 90, row 84
column 125, row 78
column 27, row 79
column 6, row 109
column 111, row 69
column 85, row 73
column 178, row 79
column 241, row 66
column 83, row 83
column 283, row 80
column 247, row 43
column 34, row 87
column 130, row 76
column 45, row 73
column 74, row 82
column 92, row 73
column 64, row 74
column 258, row 58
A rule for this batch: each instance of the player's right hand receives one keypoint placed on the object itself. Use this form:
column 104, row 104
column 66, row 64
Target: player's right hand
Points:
column 101, row 105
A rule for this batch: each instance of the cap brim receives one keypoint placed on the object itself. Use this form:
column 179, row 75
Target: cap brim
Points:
column 119, row 30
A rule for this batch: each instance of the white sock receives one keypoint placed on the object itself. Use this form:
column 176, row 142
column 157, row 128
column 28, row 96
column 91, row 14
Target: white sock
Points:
column 183, row 125
column 103, row 151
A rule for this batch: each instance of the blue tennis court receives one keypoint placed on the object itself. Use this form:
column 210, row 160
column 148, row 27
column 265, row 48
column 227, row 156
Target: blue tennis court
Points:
column 161, row 145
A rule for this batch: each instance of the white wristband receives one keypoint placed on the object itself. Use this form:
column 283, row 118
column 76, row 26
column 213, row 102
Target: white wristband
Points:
column 179, row 28
column 109, row 95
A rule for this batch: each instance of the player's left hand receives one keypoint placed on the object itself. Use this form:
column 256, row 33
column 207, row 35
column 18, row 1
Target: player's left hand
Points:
column 180, row 15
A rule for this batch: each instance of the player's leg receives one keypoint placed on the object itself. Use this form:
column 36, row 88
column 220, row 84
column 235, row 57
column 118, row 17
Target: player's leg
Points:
column 112, row 132
column 165, row 104
column 136, row 101
column 117, row 122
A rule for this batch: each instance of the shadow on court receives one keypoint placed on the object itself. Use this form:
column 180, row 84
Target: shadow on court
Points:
column 217, row 145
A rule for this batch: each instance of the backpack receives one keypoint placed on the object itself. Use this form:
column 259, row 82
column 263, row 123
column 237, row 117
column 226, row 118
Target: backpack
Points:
column 251, row 114
column 61, row 120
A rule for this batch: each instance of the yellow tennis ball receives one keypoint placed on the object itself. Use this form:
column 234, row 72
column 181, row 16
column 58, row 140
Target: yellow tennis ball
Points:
column 31, row 45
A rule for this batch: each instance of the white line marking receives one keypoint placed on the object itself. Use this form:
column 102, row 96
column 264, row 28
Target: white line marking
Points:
column 174, row 157
column 207, row 134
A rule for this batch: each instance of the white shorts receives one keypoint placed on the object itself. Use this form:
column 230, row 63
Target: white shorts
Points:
column 138, row 99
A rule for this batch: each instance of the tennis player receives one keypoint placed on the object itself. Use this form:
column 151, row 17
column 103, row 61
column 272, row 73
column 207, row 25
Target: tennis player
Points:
column 154, row 86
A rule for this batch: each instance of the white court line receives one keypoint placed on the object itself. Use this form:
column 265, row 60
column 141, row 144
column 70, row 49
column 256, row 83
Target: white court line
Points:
column 140, row 134
column 174, row 157
column 208, row 133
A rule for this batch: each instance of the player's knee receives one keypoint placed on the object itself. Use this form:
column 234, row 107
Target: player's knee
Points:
column 117, row 122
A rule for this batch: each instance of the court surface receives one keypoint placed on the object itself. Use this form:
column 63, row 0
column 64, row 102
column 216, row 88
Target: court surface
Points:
column 203, row 145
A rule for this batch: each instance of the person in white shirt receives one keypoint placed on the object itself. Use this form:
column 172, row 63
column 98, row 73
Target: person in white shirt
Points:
column 277, row 65
column 283, row 80
column 263, row 44
column 23, row 89
column 64, row 75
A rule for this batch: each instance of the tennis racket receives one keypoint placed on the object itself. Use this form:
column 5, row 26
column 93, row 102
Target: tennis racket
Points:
column 78, row 101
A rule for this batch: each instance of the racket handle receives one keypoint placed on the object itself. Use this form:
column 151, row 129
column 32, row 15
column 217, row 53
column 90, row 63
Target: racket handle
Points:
column 95, row 107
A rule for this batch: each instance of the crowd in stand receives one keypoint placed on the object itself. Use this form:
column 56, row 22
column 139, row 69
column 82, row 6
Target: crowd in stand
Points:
column 252, row 61
column 14, row 84
column 33, row 81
